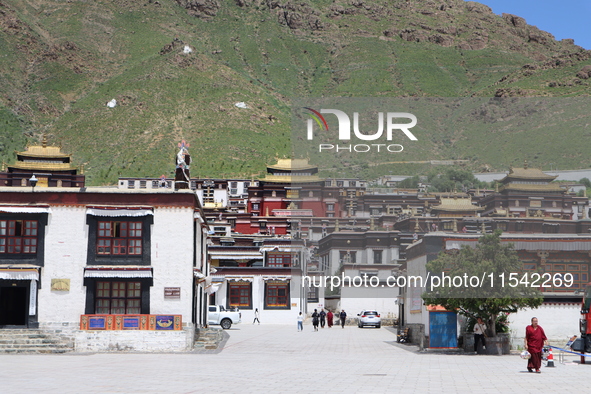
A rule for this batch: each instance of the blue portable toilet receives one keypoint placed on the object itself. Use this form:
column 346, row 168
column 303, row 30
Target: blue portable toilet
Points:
column 443, row 329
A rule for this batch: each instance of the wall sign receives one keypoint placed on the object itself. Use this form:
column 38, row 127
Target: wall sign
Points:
column 60, row 285
column 173, row 293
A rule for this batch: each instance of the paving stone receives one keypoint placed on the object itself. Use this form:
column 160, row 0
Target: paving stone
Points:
column 274, row 358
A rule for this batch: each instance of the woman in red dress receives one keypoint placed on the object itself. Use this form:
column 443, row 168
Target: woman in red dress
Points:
column 535, row 339
column 329, row 317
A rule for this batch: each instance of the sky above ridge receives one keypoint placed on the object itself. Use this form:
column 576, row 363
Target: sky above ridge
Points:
column 561, row 18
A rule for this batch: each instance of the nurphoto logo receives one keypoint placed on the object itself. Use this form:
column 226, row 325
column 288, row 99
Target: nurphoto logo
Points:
column 390, row 125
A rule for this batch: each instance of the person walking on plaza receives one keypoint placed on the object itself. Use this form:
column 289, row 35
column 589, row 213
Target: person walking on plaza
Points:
column 535, row 339
column 343, row 317
column 479, row 334
column 256, row 316
column 315, row 318
column 329, row 317
column 322, row 318
column 300, row 322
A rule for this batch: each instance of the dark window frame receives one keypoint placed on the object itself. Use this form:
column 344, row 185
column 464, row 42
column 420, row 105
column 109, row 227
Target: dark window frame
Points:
column 247, row 286
column 115, row 236
column 280, row 260
column 113, row 297
column 271, row 286
column 94, row 258
column 37, row 258
column 378, row 256
column 90, row 283
column 14, row 238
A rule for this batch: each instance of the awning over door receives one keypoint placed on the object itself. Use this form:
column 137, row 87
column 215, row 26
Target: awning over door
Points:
column 19, row 273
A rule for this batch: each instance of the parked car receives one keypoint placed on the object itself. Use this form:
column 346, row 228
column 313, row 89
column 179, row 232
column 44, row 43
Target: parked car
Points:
column 219, row 315
column 369, row 318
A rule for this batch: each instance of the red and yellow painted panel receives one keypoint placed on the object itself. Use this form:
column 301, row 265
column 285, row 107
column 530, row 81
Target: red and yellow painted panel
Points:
column 131, row 322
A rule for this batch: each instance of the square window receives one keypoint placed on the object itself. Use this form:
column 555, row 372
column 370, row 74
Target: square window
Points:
column 277, row 295
column 239, row 294
column 18, row 236
column 119, row 238
column 118, row 298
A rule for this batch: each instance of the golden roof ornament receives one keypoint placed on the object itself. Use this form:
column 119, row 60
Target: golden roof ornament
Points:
column 525, row 164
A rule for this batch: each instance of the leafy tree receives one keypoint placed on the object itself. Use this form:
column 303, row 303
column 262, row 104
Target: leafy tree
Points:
column 409, row 183
column 454, row 179
column 586, row 182
column 489, row 260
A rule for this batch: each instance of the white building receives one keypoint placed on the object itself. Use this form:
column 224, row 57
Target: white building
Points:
column 555, row 254
column 114, row 267
column 364, row 262
column 263, row 273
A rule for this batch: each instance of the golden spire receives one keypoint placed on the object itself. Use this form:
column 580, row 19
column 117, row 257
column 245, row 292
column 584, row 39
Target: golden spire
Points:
column 525, row 164
column 44, row 141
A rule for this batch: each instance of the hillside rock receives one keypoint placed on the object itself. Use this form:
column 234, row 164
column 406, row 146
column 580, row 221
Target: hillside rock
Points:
column 298, row 16
column 200, row 8
column 585, row 72
column 515, row 21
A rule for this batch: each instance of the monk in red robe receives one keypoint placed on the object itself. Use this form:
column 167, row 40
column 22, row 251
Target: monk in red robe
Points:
column 329, row 317
column 535, row 339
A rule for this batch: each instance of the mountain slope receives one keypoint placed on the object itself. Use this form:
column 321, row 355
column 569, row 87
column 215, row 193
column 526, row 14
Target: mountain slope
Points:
column 62, row 62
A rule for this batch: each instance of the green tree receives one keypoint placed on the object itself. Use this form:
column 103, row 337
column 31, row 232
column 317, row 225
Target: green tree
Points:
column 454, row 179
column 409, row 183
column 489, row 260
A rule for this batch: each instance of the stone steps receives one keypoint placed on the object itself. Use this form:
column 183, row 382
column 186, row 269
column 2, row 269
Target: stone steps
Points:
column 208, row 338
column 34, row 341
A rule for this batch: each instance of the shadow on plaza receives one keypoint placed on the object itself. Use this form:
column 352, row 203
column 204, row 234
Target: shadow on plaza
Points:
column 414, row 348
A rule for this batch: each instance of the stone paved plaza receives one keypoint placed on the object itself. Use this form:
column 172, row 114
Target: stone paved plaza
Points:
column 274, row 358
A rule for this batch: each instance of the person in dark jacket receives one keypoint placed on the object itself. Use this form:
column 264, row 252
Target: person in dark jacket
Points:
column 315, row 318
column 343, row 316
column 322, row 318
